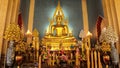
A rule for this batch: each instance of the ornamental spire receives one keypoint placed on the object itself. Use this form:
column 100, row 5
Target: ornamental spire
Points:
column 58, row 10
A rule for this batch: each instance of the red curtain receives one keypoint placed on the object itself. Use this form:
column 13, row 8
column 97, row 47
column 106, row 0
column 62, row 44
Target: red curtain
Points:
column 20, row 23
column 98, row 24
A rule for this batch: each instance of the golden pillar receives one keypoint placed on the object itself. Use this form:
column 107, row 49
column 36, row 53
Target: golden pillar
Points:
column 87, row 55
column 15, row 10
column 86, row 28
column 106, row 12
column 117, row 10
column 110, row 14
column 3, row 15
column 39, row 66
column 30, row 19
column 9, row 11
column 0, row 2
column 36, row 44
column 95, row 58
column 115, row 21
column 99, row 62
column 6, row 16
column 85, row 16
column 92, row 59
column 9, row 18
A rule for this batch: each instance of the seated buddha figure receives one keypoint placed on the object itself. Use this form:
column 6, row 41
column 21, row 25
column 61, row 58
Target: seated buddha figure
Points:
column 59, row 29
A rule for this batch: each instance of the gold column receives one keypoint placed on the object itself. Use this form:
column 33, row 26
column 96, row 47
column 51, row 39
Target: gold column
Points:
column 117, row 6
column 115, row 21
column 87, row 55
column 85, row 16
column 9, row 16
column 95, row 58
column 86, row 27
column 106, row 12
column 9, row 11
column 99, row 62
column 3, row 13
column 110, row 8
column 92, row 62
column 36, row 46
column 0, row 3
column 8, row 19
column 30, row 19
column 110, row 13
column 39, row 66
column 15, row 11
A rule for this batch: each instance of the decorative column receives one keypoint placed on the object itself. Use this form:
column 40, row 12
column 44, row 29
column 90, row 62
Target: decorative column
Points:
column 3, row 13
column 106, row 10
column 30, row 19
column 110, row 14
column 36, row 44
column 85, row 16
column 15, row 10
column 86, row 27
column 77, row 62
column 4, row 47
column 39, row 66
column 0, row 2
column 87, row 55
column 99, row 62
column 115, row 21
column 88, row 35
column 9, row 17
column 117, row 10
column 92, row 62
column 95, row 58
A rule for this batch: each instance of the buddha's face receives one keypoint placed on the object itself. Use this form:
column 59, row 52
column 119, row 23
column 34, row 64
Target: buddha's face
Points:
column 59, row 19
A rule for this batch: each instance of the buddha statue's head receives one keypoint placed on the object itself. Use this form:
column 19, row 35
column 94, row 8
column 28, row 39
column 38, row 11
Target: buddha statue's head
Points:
column 59, row 18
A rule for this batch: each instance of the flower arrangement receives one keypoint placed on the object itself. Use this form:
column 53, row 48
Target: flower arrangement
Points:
column 12, row 32
column 63, row 57
column 108, row 35
column 105, row 47
column 21, row 46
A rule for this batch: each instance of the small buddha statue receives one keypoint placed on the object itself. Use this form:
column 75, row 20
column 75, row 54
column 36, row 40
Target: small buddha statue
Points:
column 59, row 29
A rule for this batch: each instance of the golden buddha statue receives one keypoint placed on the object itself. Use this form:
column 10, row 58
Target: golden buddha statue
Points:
column 58, row 32
column 59, row 29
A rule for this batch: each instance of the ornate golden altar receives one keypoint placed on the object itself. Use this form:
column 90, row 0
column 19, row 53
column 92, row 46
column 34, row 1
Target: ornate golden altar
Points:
column 58, row 36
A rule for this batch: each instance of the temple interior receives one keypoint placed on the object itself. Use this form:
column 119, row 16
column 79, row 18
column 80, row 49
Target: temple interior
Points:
column 60, row 34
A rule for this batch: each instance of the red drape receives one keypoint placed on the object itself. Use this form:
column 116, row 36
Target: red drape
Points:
column 20, row 23
column 98, row 24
